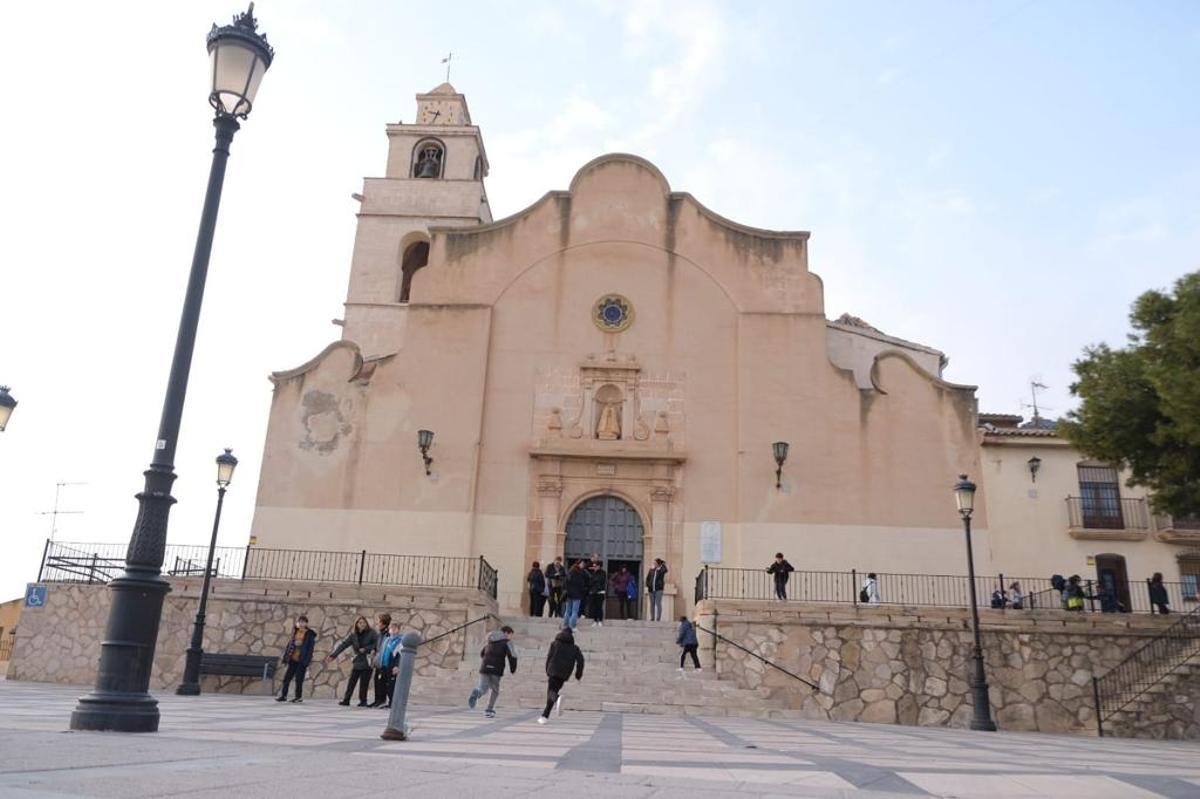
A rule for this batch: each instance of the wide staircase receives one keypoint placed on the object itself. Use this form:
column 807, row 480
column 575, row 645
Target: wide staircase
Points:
column 631, row 667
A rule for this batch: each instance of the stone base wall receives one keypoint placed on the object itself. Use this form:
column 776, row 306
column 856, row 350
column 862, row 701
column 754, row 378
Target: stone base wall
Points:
column 61, row 641
column 913, row 665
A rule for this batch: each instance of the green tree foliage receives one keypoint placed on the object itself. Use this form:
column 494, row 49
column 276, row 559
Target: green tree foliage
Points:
column 1141, row 405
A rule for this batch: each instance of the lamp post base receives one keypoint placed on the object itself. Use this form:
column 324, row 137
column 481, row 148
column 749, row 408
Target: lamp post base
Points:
column 190, row 684
column 116, row 711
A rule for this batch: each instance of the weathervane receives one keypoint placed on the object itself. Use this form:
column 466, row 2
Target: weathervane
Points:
column 446, row 61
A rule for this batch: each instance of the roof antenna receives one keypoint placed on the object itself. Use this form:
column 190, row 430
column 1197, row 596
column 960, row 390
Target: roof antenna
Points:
column 446, row 61
column 1035, row 384
column 54, row 514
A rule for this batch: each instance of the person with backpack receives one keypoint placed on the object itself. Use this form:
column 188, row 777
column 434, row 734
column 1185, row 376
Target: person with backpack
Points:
column 686, row 638
column 1073, row 594
column 537, row 589
column 389, row 656
column 498, row 649
column 999, row 599
column 576, row 590
column 555, row 574
column 869, row 593
column 297, row 655
column 782, row 571
column 382, row 676
column 562, row 658
column 1016, row 598
column 1158, row 594
column 364, row 641
column 656, row 581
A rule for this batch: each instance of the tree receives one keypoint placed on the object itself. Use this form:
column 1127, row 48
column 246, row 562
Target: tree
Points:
column 1140, row 405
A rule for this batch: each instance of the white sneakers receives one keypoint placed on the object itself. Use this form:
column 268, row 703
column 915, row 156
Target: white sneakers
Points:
column 541, row 719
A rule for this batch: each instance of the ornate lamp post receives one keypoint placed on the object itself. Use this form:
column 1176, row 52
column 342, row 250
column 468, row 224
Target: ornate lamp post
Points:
column 981, row 718
column 190, row 685
column 780, row 450
column 7, row 403
column 424, row 442
column 120, row 701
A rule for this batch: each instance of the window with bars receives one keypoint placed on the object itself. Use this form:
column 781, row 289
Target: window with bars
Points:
column 1100, row 496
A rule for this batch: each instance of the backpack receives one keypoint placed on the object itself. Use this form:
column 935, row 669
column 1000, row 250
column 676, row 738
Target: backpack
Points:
column 863, row 596
column 494, row 655
column 997, row 599
column 1057, row 582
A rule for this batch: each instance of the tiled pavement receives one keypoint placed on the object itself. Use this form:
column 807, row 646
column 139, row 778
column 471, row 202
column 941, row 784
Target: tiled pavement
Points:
column 231, row 746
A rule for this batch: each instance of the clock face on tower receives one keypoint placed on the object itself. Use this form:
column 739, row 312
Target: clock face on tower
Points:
column 437, row 114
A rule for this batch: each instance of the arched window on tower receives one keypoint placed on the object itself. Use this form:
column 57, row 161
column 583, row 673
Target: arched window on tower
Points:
column 428, row 159
column 416, row 256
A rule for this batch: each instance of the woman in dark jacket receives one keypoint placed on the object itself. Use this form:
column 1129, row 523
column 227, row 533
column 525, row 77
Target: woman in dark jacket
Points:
column 1158, row 593
column 365, row 641
column 577, row 585
column 297, row 655
column 563, row 658
column 537, row 589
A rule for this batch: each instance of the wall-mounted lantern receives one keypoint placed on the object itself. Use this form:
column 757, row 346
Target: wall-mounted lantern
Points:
column 1034, row 464
column 780, row 449
column 7, row 403
column 424, row 442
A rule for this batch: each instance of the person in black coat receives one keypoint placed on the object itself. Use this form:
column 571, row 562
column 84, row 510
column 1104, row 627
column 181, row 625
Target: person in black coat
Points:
column 297, row 655
column 1158, row 593
column 537, row 589
column 598, row 591
column 364, row 640
column 656, row 581
column 576, row 589
column 555, row 574
column 782, row 570
column 563, row 658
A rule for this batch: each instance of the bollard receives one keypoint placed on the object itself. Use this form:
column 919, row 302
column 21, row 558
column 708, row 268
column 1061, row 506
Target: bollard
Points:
column 396, row 730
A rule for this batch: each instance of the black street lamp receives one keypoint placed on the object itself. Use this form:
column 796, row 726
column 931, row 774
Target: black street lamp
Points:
column 7, row 403
column 190, row 685
column 981, row 717
column 780, row 450
column 120, row 699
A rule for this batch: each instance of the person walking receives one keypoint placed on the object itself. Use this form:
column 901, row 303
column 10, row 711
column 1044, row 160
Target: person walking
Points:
column 1016, row 597
column 498, row 649
column 576, row 590
column 620, row 588
column 782, row 571
column 537, row 589
column 297, row 655
column 599, row 592
column 381, row 676
column 389, row 654
column 364, row 641
column 555, row 574
column 869, row 593
column 562, row 658
column 656, row 581
column 686, row 638
column 1158, row 594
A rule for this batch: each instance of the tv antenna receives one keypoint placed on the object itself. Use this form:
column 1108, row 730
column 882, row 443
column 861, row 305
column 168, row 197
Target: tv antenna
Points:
column 54, row 514
column 1034, row 385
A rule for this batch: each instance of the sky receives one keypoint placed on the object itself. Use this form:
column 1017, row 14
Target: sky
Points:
column 998, row 180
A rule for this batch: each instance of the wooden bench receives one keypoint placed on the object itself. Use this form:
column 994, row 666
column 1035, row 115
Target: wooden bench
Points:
column 261, row 666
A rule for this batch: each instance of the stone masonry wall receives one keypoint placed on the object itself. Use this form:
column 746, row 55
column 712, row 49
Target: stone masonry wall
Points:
column 906, row 665
column 61, row 641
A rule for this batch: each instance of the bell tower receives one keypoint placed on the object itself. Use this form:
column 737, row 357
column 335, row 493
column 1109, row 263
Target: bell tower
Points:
column 434, row 177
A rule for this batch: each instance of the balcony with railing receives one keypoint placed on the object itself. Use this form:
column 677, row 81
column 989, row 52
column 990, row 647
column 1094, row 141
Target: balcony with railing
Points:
column 1177, row 529
column 1108, row 518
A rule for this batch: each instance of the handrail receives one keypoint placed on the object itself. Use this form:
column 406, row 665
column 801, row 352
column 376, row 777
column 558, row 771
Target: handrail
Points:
column 735, row 644
column 1130, row 687
column 484, row 617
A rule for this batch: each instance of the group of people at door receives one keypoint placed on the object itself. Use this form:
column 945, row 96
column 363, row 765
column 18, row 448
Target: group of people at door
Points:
column 583, row 588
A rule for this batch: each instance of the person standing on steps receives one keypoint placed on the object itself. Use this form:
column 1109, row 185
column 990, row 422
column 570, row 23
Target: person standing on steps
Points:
column 297, row 655
column 620, row 587
column 782, row 571
column 537, row 589
column 498, row 649
column 555, row 574
column 562, row 658
column 364, row 641
column 656, row 581
column 599, row 592
column 686, row 638
column 382, row 622
column 576, row 588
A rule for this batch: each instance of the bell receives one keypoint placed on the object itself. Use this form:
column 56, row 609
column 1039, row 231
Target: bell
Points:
column 427, row 167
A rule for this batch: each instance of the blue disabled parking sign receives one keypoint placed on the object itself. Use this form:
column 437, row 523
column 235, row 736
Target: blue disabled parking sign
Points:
column 35, row 595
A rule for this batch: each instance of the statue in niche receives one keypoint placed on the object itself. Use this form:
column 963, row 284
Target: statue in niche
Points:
column 608, row 413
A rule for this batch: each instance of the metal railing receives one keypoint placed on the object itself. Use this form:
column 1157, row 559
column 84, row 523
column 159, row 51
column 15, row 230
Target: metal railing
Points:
column 1107, row 513
column 99, row 563
column 1146, row 667
column 1187, row 523
column 944, row 590
column 716, row 635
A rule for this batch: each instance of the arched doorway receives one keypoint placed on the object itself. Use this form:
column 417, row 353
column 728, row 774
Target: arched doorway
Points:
column 607, row 526
column 1113, row 577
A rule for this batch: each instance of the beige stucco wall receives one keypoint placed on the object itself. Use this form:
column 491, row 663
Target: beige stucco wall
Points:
column 498, row 354
column 1029, row 521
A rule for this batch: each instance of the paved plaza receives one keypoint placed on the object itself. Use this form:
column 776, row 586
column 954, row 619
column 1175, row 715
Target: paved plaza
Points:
column 238, row 746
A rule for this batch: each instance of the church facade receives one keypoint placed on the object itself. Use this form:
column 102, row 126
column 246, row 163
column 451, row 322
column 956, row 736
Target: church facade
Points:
column 606, row 371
